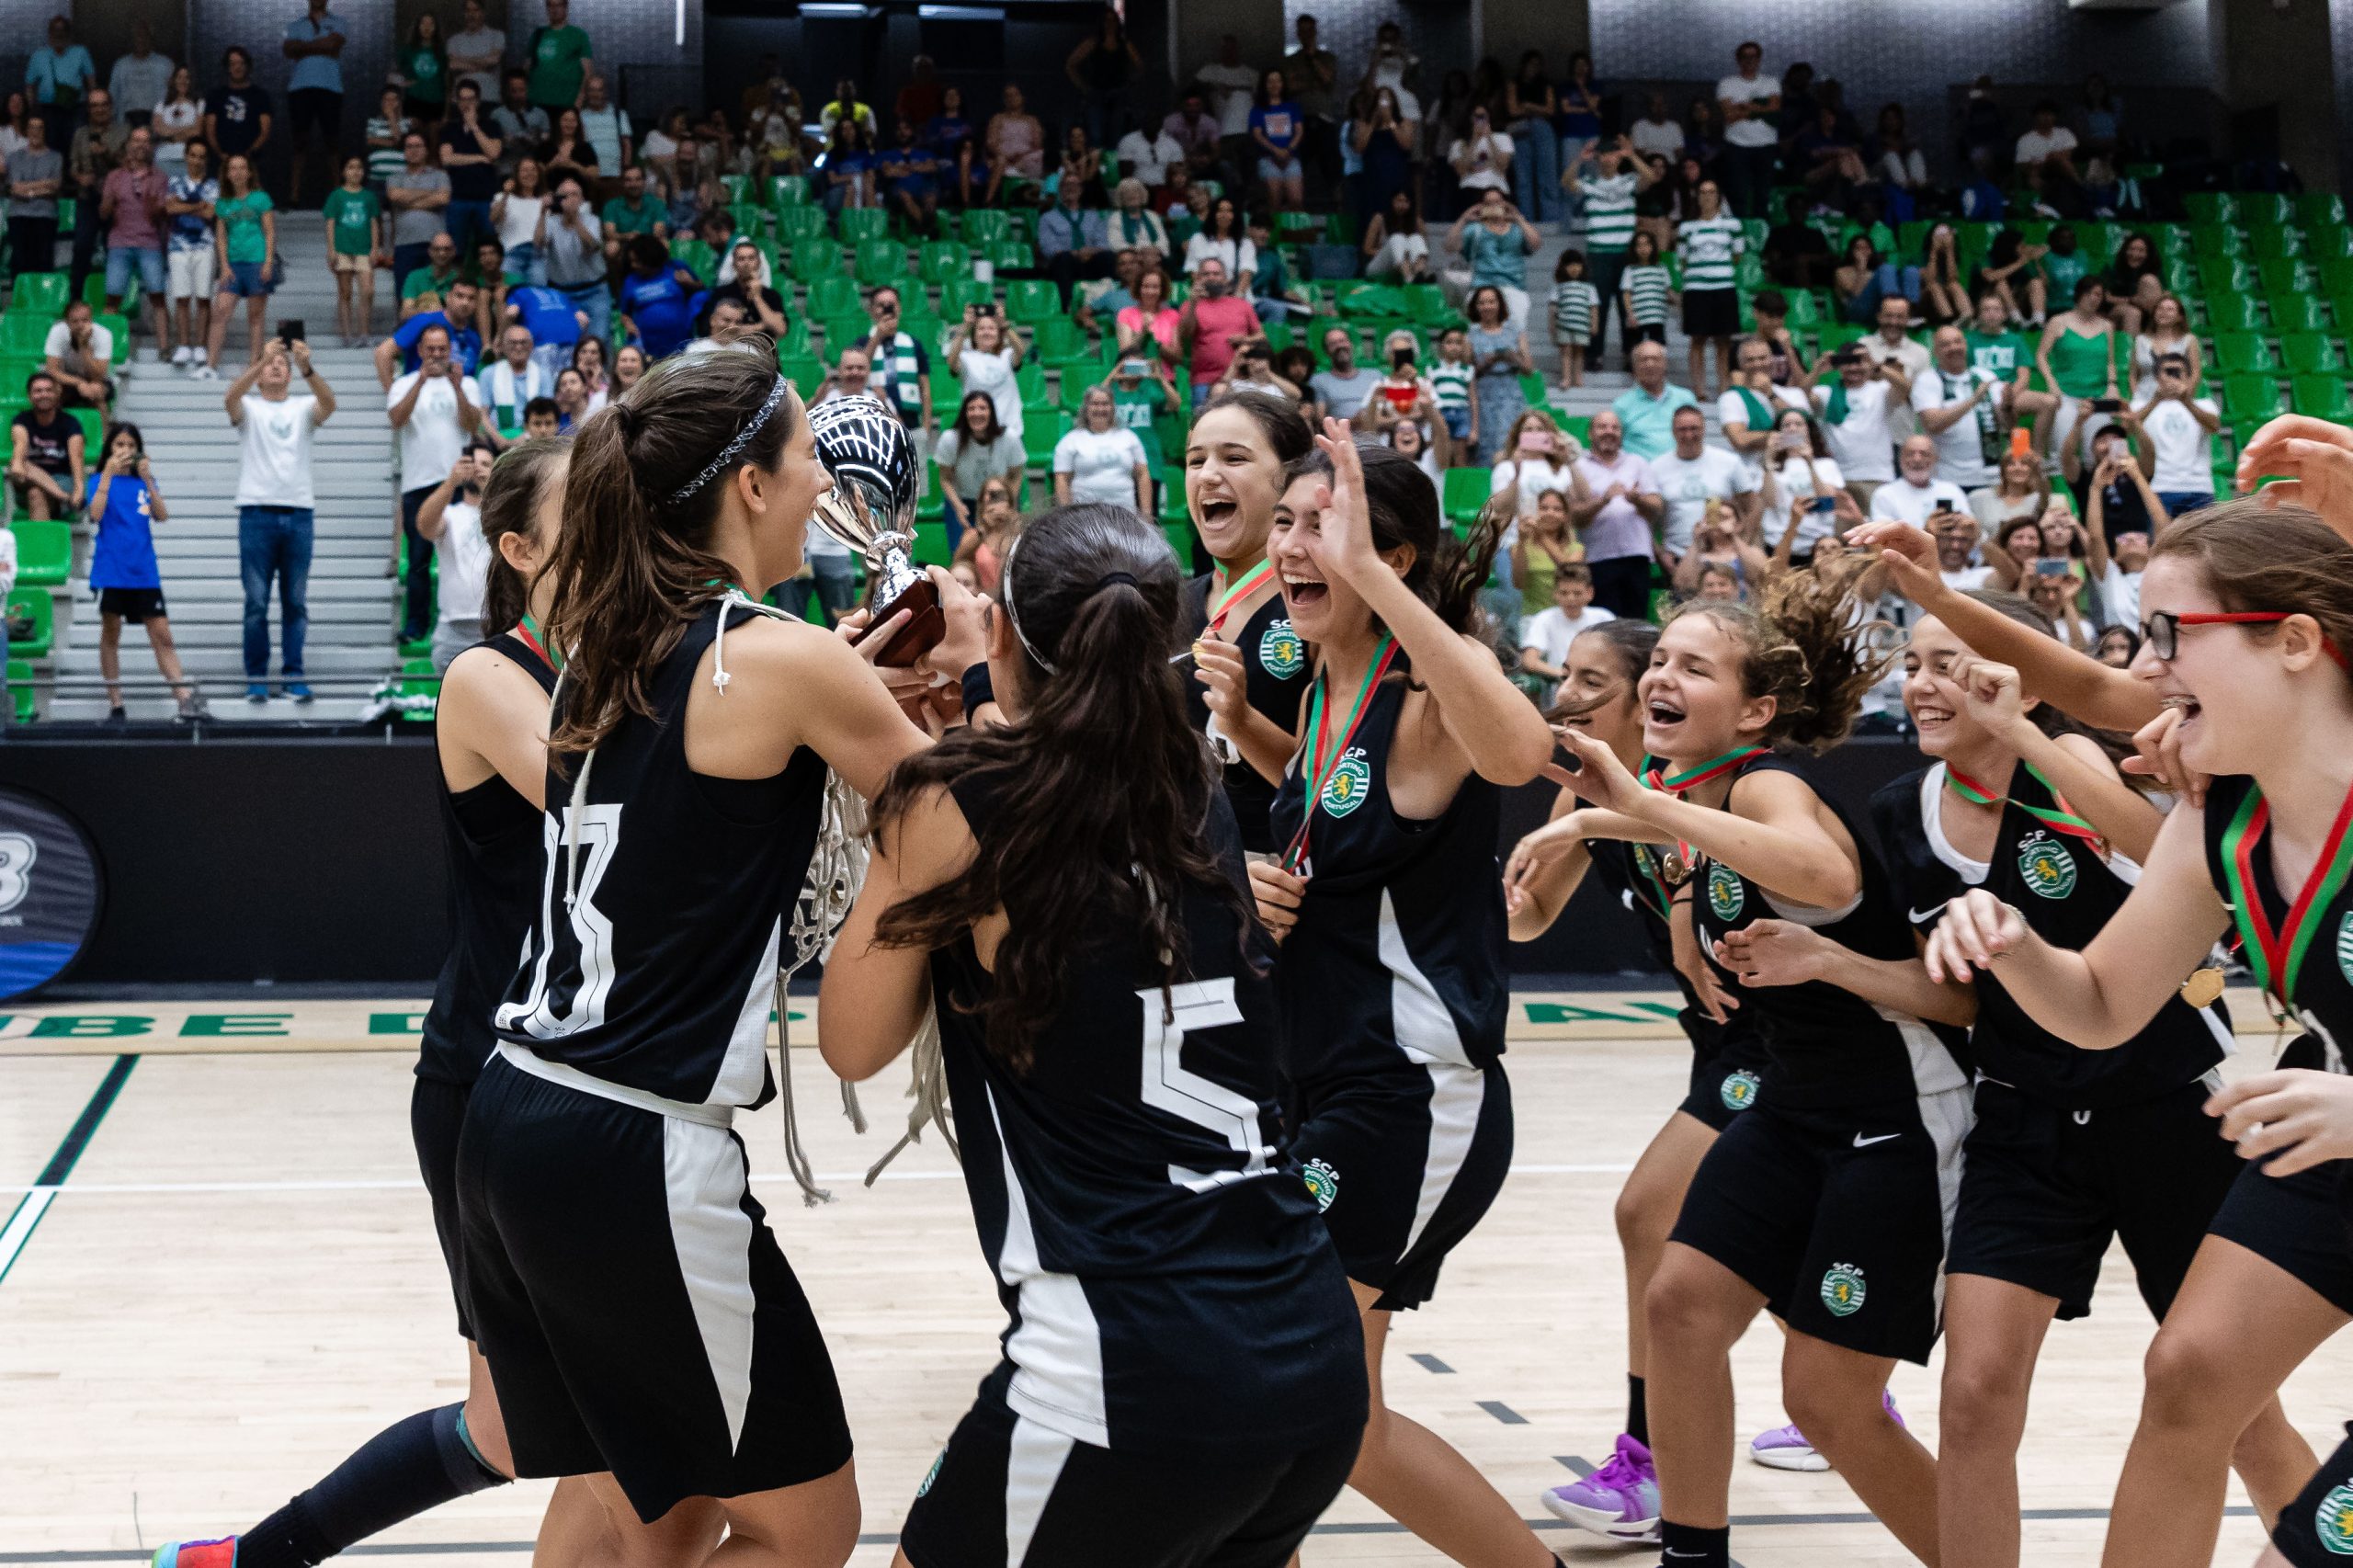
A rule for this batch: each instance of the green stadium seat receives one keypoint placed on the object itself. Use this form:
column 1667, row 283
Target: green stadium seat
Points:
column 2223, row 275
column 1532, row 388
column 23, row 700
column 942, row 260
column 841, row 330
column 44, row 552
column 859, row 224
column 1171, row 432
column 1179, row 535
column 2336, row 276
column 94, row 428
column 2245, row 353
column 1012, row 255
column 2233, row 313
column 2265, row 244
column 1032, row 300
column 1464, row 493
column 2311, row 354
column 2207, row 207
column 2282, row 275
column 982, row 226
column 1374, row 300
column 788, row 191
column 947, row 393
column 960, row 291
column 2266, row 209
column 23, row 334
column 796, row 336
column 794, row 224
column 42, row 293
column 2296, row 312
column 2323, row 397
column 1062, row 346
column 881, row 261
column 805, row 371
column 814, row 258
column 1042, row 427
column 2216, row 241
column 33, row 607
column 2248, row 398
column 931, row 544
column 1030, row 379
column 833, row 296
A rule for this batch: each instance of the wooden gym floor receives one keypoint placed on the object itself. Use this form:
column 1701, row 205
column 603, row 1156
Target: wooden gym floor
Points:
column 218, row 1276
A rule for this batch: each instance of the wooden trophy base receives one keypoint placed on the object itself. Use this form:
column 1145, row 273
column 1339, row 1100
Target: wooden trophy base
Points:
column 925, row 625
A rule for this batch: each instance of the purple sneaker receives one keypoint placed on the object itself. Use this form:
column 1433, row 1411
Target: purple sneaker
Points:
column 1619, row 1500
column 1785, row 1447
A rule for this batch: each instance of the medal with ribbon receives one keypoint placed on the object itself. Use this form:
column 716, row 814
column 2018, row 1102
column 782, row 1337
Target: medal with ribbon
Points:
column 2277, row 955
column 2063, row 820
column 1675, row 865
column 1324, row 756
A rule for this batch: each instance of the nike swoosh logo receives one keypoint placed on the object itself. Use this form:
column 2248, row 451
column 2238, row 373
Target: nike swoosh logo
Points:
column 1863, row 1142
column 1921, row 917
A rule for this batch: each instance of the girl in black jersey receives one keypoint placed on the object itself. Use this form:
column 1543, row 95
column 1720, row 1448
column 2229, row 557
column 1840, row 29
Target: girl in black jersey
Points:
column 491, row 736
column 1827, row 1202
column 1390, row 979
column 1183, row 1380
column 1249, row 667
column 2247, row 610
column 1598, row 698
column 642, row 1325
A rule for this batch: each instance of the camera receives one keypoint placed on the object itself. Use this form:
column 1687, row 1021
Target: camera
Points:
column 1402, row 359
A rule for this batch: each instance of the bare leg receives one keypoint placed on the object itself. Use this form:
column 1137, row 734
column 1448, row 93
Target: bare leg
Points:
column 255, row 309
column 1994, row 1330
column 2239, row 1326
column 167, row 656
column 1698, row 357
column 1697, row 1310
column 1645, row 1213
column 216, row 334
column 110, row 657
column 686, row 1535
column 814, row 1525
column 1837, row 1396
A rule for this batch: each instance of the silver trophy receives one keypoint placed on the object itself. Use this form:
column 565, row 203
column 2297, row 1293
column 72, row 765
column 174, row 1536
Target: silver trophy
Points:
column 870, row 511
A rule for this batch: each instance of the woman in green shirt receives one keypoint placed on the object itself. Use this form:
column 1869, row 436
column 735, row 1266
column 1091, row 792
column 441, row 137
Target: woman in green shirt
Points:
column 2078, row 358
column 423, row 66
column 245, row 228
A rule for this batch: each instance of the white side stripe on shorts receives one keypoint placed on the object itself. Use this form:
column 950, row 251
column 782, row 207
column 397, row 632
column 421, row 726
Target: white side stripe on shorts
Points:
column 703, row 1171
column 1457, row 1095
column 1057, row 1350
column 1033, row 1463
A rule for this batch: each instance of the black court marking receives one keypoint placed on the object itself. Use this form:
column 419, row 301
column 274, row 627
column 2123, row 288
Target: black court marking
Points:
column 1429, row 1363
column 1503, row 1413
column 26, row 1218
column 1575, row 1463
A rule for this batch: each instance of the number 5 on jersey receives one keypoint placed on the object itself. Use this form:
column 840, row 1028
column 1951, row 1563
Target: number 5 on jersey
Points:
column 1167, row 1085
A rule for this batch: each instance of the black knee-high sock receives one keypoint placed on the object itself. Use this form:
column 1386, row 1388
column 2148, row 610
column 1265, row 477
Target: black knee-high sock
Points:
column 1638, row 1411
column 409, row 1467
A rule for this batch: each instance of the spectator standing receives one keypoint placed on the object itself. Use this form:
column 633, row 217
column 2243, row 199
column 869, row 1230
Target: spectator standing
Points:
column 276, row 504
column 1341, row 391
column 521, row 128
column 1712, row 243
column 434, row 408
column 358, row 236
column 1223, row 236
column 1646, row 410
column 1102, row 68
column 1149, row 153
column 2180, row 426
column 1482, row 156
column 131, row 204
column 1657, row 134
column 575, row 248
column 560, row 60
column 388, row 129
column 657, row 298
column 1695, row 476
column 1386, row 147
column 902, row 365
column 1194, row 126
column 517, row 213
column 1213, row 325
column 1965, row 410
column 190, row 254
column 177, row 121
column 1494, row 241
column 451, row 517
column 417, row 199
column 313, row 92
column 1854, row 410
column 1607, row 182
column 45, row 453
column 1645, row 293
column 1099, row 459
column 1906, row 360
column 35, row 175
column 1915, row 495
column 477, row 51
column 1313, row 74
column 1615, row 508
column 1530, row 104
column 97, row 152
column 1231, row 84
column 1577, row 119
column 245, row 230
column 1749, row 101
column 80, row 354
column 569, row 151
column 511, row 381
column 125, row 502
column 1073, row 243
column 976, row 449
column 61, row 74
column 422, row 68
column 984, row 353
column 469, row 157
column 237, row 117
column 142, row 80
column 1278, row 137
column 1499, row 358
column 607, row 127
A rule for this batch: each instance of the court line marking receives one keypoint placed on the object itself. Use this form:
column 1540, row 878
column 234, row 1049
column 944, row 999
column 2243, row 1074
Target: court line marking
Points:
column 35, row 1199
column 1503, row 1413
column 1429, row 1363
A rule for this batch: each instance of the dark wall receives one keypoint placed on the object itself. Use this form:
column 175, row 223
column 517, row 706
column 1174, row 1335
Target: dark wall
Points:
column 308, row 861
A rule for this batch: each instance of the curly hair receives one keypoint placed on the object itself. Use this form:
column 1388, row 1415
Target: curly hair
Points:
column 1809, row 647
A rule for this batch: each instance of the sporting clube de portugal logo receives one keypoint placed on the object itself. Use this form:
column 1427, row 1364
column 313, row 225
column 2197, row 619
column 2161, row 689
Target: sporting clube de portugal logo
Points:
column 1842, row 1289
column 2334, row 1521
column 1323, row 1181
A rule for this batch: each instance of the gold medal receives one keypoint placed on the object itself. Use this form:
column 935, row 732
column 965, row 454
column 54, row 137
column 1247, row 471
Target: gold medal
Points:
column 1672, row 870
column 2203, row 988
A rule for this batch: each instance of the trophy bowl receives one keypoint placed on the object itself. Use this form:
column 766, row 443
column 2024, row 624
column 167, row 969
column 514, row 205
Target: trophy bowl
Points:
column 870, row 512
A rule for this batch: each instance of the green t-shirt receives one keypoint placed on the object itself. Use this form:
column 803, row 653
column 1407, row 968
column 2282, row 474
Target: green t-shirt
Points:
column 427, row 74
column 556, row 54
column 623, row 217
column 2063, row 272
column 351, row 220
column 1136, row 410
column 425, row 280
column 2000, row 354
column 241, row 216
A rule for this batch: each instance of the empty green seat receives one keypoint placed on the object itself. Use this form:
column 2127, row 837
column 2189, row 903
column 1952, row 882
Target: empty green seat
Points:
column 2265, row 208
column 2319, row 206
column 842, row 330
column 2337, row 275
column 2220, row 241
column 959, row 292
column 2239, row 353
column 1465, row 493
column 2209, row 207
column 1061, row 345
column 859, row 224
column 943, row 260
column 1013, row 255
column 2311, row 354
column 881, row 261
column 24, row 332
column 815, row 258
column 984, row 226
column 1042, row 427
column 1030, row 379
column 833, row 297
column 794, row 224
column 32, row 607
column 2264, row 244
column 2223, row 275
column 44, row 552
column 2322, row 397
column 2296, row 312
column 2251, row 398
column 947, row 393
column 788, row 191
column 2281, row 274
column 2232, row 312
column 42, row 293
column 1032, row 300
column 805, row 371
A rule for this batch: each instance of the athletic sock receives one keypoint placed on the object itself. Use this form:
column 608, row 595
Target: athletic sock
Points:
column 1638, row 1411
column 409, row 1467
column 1688, row 1544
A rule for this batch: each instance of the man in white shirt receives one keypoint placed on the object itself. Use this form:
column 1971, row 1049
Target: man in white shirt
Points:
column 1657, row 134
column 476, row 51
column 512, row 380
column 1965, row 410
column 1752, row 402
column 605, row 124
column 452, row 518
column 1957, row 534
column 275, row 502
column 2046, row 153
column 1748, row 100
column 1232, row 86
column 433, row 409
column 1544, row 637
column 1854, row 420
column 2182, row 438
column 141, row 78
column 1916, row 494
column 1150, row 159
column 1695, row 473
column 1892, row 345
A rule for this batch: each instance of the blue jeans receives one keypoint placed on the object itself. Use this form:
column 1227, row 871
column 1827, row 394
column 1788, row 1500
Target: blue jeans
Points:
column 523, row 263
column 2178, row 503
column 1890, row 282
column 1536, row 171
column 467, row 222
column 275, row 541
column 123, row 261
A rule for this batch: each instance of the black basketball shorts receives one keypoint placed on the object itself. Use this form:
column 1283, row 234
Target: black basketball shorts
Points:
column 2316, row 1530
column 2295, row 1223
column 1727, row 1072
column 436, row 1114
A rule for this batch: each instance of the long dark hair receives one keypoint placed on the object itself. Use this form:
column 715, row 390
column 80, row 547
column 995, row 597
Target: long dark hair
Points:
column 1107, row 786
column 1277, row 420
column 510, row 505
column 1631, row 641
column 963, row 429
column 634, row 568
column 1447, row 573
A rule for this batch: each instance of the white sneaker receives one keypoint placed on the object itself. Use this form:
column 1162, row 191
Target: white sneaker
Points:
column 181, row 355
column 197, row 354
column 203, row 373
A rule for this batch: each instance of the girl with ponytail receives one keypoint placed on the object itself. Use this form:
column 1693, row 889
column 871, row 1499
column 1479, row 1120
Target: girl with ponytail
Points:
column 618, row 1270
column 1067, row 889
column 1824, row 1202
column 1391, row 978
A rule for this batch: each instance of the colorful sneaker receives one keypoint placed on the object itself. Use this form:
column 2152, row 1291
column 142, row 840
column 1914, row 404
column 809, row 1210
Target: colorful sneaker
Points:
column 1619, row 1500
column 220, row 1554
column 1785, row 1447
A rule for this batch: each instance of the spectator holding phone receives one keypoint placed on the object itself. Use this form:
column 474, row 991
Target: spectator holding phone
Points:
column 126, row 502
column 1916, row 494
column 1142, row 390
column 451, row 517
column 2180, row 428
column 434, row 409
column 1802, row 489
column 1854, row 410
column 1213, row 326
column 275, row 425
column 984, row 353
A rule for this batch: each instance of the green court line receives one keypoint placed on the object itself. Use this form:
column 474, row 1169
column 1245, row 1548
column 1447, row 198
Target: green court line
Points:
column 26, row 1218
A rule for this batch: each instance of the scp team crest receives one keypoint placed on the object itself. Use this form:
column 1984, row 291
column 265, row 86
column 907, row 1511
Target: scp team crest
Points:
column 1323, row 1181
column 1350, row 781
column 1280, row 652
column 2045, row 866
column 1842, row 1289
column 1725, row 893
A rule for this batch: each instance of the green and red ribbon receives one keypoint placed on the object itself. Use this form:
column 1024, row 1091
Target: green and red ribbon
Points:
column 526, row 632
column 2277, row 956
column 1236, row 591
column 2063, row 820
column 1692, row 777
column 1322, row 756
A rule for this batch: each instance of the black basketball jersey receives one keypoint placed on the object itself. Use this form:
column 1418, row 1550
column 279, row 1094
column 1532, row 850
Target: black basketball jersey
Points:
column 1275, row 681
column 1829, row 1047
column 653, row 962
column 1168, row 1280
column 2320, row 988
column 1401, row 935
column 1631, row 873
column 2066, row 894
column 490, row 849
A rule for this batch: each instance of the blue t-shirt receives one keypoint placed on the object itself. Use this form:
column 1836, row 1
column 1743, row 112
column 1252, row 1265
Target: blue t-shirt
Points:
column 547, row 313
column 50, row 72
column 1279, row 121
column 465, row 343
column 324, row 71
column 847, row 164
column 124, row 556
column 908, row 168
column 663, row 308
column 946, row 132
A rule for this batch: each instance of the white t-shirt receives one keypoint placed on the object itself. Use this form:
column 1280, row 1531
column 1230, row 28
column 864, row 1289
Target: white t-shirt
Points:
column 1733, row 409
column 1657, row 138
column 1488, row 168
column 1532, row 479
column 477, row 44
column 463, row 557
column 1739, row 89
column 1689, row 483
column 1239, row 256
column 2034, row 146
column 1101, row 464
column 1961, row 446
column 1967, row 578
column 1795, row 485
column 2119, row 592
column 1235, row 84
column 1860, row 441
column 993, row 374
column 2185, row 449
column 1914, row 361
column 432, row 439
column 59, row 345
column 274, row 450
column 1149, row 159
column 1904, row 502
column 521, row 224
column 1550, row 631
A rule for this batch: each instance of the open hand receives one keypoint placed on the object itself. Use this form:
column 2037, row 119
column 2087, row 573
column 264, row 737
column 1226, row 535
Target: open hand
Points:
column 1773, row 952
column 1601, row 777
column 1218, row 666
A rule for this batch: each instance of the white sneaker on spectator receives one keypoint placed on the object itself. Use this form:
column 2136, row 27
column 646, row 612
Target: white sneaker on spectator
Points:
column 197, row 354
column 182, row 355
column 203, row 373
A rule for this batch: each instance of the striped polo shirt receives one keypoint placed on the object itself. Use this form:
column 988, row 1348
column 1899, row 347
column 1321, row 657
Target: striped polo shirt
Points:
column 1609, row 213
column 1574, row 303
column 1648, row 286
column 1451, row 384
column 1708, row 245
